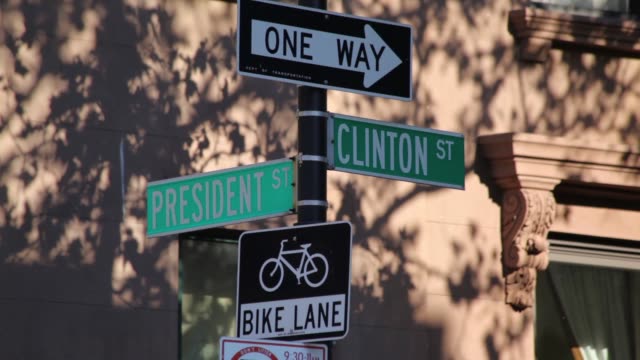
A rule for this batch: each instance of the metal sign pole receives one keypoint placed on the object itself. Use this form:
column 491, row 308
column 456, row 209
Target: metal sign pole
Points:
column 312, row 149
column 312, row 155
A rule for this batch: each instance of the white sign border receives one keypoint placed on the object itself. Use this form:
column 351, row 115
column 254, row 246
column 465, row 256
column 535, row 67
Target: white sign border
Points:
column 348, row 305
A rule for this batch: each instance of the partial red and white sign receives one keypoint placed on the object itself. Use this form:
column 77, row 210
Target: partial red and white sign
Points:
column 243, row 349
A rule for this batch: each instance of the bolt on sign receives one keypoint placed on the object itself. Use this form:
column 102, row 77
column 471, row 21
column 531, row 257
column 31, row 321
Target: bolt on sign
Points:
column 219, row 198
column 394, row 151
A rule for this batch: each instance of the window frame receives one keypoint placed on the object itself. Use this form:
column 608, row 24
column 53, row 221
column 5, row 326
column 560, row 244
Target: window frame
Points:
column 538, row 29
column 212, row 237
column 629, row 11
column 594, row 251
column 581, row 250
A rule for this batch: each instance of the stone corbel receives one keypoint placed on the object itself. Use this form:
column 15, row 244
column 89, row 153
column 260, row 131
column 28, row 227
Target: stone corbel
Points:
column 527, row 212
column 525, row 169
column 527, row 215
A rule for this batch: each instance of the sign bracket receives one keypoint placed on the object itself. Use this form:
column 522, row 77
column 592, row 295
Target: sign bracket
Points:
column 330, row 141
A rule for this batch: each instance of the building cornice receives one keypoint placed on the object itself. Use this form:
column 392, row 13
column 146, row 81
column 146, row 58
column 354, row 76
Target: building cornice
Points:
column 537, row 30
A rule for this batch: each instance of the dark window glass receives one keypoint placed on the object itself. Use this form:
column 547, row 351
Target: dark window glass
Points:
column 208, row 272
column 588, row 312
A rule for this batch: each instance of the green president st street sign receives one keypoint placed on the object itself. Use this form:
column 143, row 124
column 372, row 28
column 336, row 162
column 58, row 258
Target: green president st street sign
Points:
column 220, row 197
column 396, row 151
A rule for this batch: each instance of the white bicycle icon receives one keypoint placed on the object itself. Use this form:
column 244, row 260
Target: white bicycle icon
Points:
column 314, row 268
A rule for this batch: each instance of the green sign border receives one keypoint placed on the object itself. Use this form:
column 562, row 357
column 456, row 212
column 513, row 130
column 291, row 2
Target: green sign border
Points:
column 291, row 209
column 331, row 144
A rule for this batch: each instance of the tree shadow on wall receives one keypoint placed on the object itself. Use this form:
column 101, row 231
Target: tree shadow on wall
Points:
column 389, row 292
column 382, row 323
column 460, row 29
column 98, row 99
column 607, row 80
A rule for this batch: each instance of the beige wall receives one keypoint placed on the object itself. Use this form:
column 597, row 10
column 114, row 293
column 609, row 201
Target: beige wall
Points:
column 99, row 97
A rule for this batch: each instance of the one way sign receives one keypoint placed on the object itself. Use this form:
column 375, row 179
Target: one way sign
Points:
column 324, row 49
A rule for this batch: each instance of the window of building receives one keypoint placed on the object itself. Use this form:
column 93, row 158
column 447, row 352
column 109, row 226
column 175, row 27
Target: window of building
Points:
column 588, row 300
column 208, row 281
column 611, row 7
column 611, row 27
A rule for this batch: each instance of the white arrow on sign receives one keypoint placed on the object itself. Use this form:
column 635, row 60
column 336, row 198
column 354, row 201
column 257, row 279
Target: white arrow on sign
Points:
column 369, row 55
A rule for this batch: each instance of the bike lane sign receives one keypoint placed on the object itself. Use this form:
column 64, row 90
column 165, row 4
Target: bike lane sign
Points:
column 294, row 283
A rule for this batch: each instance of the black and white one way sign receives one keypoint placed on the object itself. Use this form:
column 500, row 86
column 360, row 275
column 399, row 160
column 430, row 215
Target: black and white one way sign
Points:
column 324, row 49
column 294, row 283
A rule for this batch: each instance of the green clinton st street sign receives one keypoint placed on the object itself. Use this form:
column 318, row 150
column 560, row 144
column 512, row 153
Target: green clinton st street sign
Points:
column 395, row 151
column 220, row 197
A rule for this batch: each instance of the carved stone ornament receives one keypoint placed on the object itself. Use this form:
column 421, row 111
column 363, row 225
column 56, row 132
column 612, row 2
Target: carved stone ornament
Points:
column 526, row 168
column 527, row 215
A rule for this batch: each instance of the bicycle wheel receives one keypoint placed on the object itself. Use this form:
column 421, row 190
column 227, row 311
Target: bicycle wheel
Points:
column 316, row 269
column 271, row 275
